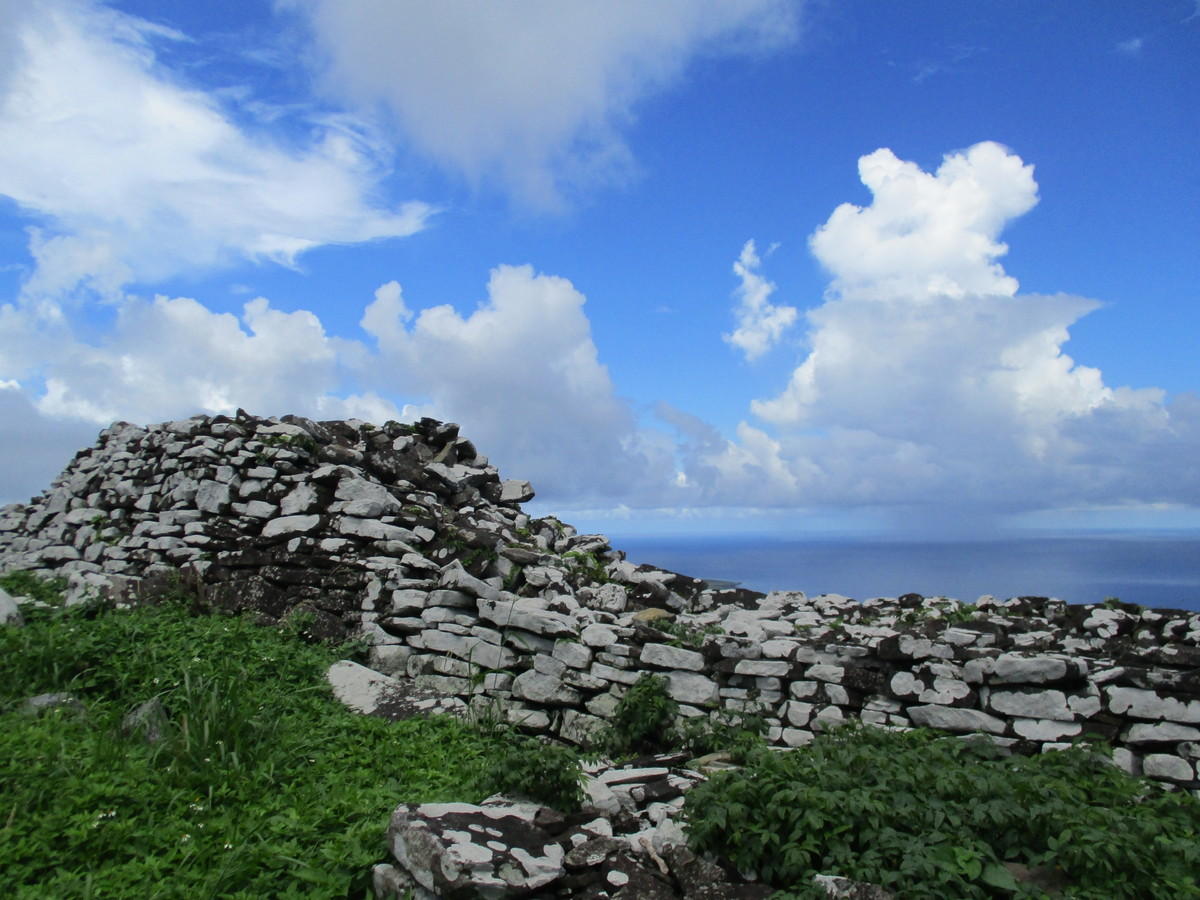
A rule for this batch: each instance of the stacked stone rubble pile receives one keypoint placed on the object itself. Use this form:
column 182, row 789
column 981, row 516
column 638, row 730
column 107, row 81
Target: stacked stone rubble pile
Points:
column 625, row 844
column 407, row 536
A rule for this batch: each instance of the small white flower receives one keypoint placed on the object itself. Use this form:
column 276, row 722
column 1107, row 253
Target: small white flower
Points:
column 185, row 839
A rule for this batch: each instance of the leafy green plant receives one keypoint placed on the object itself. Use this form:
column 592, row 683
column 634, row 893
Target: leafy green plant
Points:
column 741, row 733
column 587, row 565
column 536, row 770
column 930, row 816
column 23, row 583
column 643, row 722
column 686, row 635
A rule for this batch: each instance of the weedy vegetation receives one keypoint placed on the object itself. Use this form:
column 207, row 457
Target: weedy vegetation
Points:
column 933, row 818
column 259, row 784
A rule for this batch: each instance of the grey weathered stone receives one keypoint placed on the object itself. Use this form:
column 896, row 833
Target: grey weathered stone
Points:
column 284, row 526
column 1161, row 732
column 1015, row 668
column 598, row 636
column 664, row 656
column 455, row 577
column 1031, row 704
column 1046, row 729
column 1146, row 704
column 1167, row 767
column 610, row 597
column 213, row 497
column 371, row 529
column 691, row 688
column 493, row 850
column 545, row 689
column 572, row 653
column 512, row 491
column 10, row 612
column 524, row 613
column 961, row 721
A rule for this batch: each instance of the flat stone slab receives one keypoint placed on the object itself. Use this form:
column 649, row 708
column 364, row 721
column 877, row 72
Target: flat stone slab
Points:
column 371, row 693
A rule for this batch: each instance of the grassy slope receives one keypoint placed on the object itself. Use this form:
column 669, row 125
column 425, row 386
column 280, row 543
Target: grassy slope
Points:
column 264, row 786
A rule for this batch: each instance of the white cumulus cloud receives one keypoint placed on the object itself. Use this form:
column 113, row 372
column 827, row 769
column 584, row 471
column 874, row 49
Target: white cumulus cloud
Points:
column 535, row 93
column 523, row 376
column 927, row 234
column 173, row 357
column 931, row 381
column 760, row 322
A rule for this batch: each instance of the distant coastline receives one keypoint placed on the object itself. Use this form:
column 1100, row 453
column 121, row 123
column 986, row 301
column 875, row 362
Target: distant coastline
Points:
column 1149, row 568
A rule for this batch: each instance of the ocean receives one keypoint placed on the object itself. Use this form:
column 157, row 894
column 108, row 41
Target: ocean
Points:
column 1156, row 570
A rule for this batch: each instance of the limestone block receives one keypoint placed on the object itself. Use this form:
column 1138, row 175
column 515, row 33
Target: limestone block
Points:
column 572, row 653
column 361, row 688
column 1163, row 732
column 284, row 526
column 544, row 689
column 548, row 665
column 602, row 705
column 1046, row 729
column 10, row 612
column 1167, row 767
column 523, row 613
column 797, row 713
column 1016, row 668
column 667, row 657
column 609, row 673
column 691, row 688
column 947, row 691
column 772, row 668
column 795, row 737
column 301, row 499
column 826, row 719
column 452, row 599
column 1031, row 704
column 906, row 686
column 1144, row 704
column 454, row 577
column 579, row 728
column 960, row 721
column 610, row 598
column 837, row 694
column 371, row 529
column 405, row 602
column 804, row 690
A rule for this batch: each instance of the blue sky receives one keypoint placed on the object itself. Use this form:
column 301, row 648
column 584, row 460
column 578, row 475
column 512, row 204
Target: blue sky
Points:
column 722, row 265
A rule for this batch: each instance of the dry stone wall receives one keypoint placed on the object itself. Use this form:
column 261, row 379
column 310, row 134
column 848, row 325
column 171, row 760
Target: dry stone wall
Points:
column 405, row 535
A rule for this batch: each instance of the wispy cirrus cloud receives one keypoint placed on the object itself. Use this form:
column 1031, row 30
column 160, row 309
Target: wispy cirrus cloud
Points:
column 128, row 173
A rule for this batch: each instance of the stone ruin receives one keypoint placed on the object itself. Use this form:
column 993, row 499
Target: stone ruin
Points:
column 406, row 536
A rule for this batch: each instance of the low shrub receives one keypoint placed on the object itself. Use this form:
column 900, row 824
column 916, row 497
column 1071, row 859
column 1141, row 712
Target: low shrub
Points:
column 535, row 770
column 643, row 722
column 930, row 816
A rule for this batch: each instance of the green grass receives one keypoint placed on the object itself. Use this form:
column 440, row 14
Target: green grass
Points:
column 264, row 786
